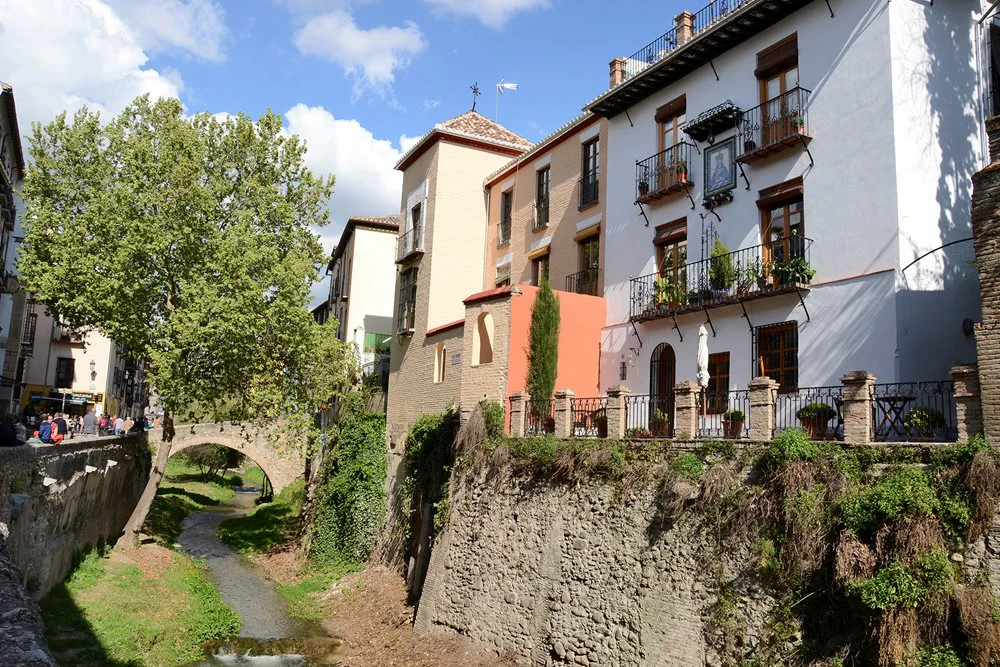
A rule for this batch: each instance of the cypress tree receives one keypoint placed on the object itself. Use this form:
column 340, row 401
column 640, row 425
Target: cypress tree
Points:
column 543, row 344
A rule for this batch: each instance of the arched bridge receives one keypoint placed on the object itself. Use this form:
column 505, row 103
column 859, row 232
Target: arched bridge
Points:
column 280, row 456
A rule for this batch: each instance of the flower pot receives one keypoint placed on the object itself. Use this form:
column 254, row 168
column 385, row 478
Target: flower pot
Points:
column 643, row 189
column 550, row 424
column 682, row 177
column 814, row 426
column 602, row 428
column 733, row 429
column 660, row 428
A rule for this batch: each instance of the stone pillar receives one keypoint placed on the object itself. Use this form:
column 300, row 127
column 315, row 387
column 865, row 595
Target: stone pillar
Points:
column 517, row 415
column 763, row 391
column 968, row 408
column 684, row 27
column 616, row 411
column 617, row 71
column 857, row 407
column 986, row 239
column 686, row 410
column 564, row 413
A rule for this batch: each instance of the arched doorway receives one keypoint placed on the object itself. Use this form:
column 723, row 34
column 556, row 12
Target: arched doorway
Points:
column 662, row 377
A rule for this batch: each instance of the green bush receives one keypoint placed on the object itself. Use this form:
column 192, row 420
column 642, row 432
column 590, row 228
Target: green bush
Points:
column 961, row 452
column 923, row 419
column 892, row 586
column 905, row 491
column 543, row 344
column 935, row 656
column 733, row 416
column 792, row 444
column 495, row 418
column 688, row 466
column 816, row 411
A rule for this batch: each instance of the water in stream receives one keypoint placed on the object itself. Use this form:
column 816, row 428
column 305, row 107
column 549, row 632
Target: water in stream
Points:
column 269, row 636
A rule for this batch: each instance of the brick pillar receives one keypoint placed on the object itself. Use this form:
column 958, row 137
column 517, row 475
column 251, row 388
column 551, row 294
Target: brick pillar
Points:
column 617, row 71
column 763, row 391
column 986, row 239
column 686, row 409
column 857, row 407
column 684, row 27
column 564, row 413
column 616, row 412
column 968, row 408
column 517, row 415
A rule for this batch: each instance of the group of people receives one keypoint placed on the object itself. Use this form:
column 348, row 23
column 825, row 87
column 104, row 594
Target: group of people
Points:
column 52, row 429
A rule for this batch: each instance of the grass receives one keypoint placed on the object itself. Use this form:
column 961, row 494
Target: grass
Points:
column 268, row 525
column 253, row 476
column 184, row 490
column 111, row 613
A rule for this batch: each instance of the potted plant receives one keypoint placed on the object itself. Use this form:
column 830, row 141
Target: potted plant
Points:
column 792, row 271
column 750, row 277
column 637, row 433
column 682, row 172
column 721, row 274
column 659, row 425
column 599, row 419
column 643, row 187
column 814, row 418
column 798, row 122
column 923, row 423
column 669, row 292
column 732, row 424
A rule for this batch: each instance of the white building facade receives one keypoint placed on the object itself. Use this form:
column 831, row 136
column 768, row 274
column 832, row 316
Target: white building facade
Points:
column 840, row 139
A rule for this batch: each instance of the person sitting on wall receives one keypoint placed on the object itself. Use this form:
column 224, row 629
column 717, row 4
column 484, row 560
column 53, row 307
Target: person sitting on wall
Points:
column 56, row 434
column 8, row 434
column 64, row 429
column 45, row 429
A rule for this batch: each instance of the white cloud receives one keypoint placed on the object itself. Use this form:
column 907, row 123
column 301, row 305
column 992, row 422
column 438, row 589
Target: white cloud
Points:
column 494, row 13
column 371, row 56
column 194, row 26
column 62, row 54
column 431, row 104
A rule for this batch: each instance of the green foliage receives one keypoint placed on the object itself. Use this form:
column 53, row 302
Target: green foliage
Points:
column 543, row 344
column 350, row 499
column 305, row 599
column 892, row 586
column 733, row 416
column 212, row 460
column 720, row 270
column 961, row 452
column 936, row 656
column 687, row 465
column 428, row 459
column 723, row 449
column 495, row 418
column 923, row 419
column 816, row 411
column 955, row 513
column 185, row 489
column 904, row 491
column 792, row 444
column 792, row 270
column 268, row 525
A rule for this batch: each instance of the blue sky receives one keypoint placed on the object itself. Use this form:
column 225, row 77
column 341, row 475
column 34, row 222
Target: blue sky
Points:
column 360, row 80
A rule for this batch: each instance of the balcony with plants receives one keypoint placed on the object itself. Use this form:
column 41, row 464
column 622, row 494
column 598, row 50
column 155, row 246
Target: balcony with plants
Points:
column 663, row 174
column 725, row 278
column 774, row 126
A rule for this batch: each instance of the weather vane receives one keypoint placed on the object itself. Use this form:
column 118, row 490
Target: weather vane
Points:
column 475, row 93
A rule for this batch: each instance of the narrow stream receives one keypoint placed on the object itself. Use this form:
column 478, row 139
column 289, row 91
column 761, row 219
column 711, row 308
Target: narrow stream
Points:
column 269, row 636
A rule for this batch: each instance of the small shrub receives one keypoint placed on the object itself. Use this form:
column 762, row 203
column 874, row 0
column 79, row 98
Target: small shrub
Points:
column 905, row 491
column 960, row 452
column 637, row 433
column 733, row 416
column 935, row 656
column 792, row 445
column 495, row 418
column 688, row 466
column 892, row 586
column 723, row 449
column 923, row 420
column 816, row 411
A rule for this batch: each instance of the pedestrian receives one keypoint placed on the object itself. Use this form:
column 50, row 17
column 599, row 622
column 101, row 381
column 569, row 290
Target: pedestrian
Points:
column 45, row 429
column 127, row 425
column 22, row 432
column 63, row 425
column 8, row 434
column 56, row 432
column 90, row 423
column 119, row 425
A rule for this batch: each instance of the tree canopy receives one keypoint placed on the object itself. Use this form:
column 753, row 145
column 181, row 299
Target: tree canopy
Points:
column 189, row 240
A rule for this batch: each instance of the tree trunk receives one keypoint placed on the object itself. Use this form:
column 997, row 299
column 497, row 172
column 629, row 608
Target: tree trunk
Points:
column 134, row 525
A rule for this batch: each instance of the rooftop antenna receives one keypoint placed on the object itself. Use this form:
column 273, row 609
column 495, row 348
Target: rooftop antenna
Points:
column 475, row 93
column 502, row 86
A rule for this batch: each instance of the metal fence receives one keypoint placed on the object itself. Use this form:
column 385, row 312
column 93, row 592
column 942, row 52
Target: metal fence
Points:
column 663, row 171
column 816, row 410
column 779, row 120
column 724, row 415
column 540, row 417
column 590, row 417
column 410, row 242
column 914, row 411
column 584, row 282
column 589, row 187
column 649, row 416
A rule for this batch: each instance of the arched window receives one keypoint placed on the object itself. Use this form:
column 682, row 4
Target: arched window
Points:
column 440, row 359
column 482, row 340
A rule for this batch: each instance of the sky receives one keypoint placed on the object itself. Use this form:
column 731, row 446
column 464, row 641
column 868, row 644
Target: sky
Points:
column 359, row 80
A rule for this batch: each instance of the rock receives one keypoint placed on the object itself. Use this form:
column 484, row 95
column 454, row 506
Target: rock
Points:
column 957, row 557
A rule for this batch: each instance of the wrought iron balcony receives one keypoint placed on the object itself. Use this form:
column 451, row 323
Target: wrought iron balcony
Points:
column 663, row 174
column 410, row 243
column 773, row 126
column 541, row 214
column 589, row 186
column 742, row 275
column 587, row 281
column 503, row 231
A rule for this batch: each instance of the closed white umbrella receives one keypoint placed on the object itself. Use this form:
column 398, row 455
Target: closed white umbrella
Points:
column 703, row 375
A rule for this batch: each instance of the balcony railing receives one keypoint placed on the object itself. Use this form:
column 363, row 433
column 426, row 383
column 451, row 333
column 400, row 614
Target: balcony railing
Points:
column 914, row 411
column 590, row 417
column 724, row 415
column 539, row 417
column 663, row 173
column 588, row 190
column 503, row 231
column 410, row 243
column 821, row 423
column 587, row 281
column 541, row 217
column 774, row 125
column 740, row 275
column 667, row 43
column 649, row 416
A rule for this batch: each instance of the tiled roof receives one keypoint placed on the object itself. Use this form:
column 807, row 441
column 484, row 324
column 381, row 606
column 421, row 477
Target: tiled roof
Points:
column 444, row 327
column 386, row 221
column 488, row 294
column 470, row 125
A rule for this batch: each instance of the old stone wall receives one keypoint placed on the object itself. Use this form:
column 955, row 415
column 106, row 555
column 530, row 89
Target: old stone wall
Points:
column 56, row 500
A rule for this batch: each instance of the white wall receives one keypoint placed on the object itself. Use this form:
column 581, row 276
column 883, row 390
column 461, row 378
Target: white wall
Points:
column 372, row 283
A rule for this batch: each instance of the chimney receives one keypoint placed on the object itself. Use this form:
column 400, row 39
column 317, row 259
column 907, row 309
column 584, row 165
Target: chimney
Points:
column 617, row 71
column 684, row 27
column 993, row 134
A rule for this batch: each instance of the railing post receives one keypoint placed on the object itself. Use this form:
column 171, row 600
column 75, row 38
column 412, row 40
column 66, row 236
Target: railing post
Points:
column 686, row 410
column 968, row 404
column 856, row 408
column 616, row 411
column 763, row 391
column 564, row 413
column 517, row 415
column 684, row 27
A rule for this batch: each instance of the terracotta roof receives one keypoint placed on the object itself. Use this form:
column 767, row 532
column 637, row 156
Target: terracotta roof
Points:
column 445, row 327
column 488, row 294
column 470, row 125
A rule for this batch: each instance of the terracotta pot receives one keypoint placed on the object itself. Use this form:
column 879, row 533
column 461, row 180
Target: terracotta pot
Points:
column 815, row 427
column 602, row 428
column 660, row 428
column 733, row 430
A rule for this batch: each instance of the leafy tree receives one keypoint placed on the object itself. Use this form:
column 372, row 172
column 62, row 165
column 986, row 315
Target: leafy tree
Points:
column 543, row 344
column 189, row 241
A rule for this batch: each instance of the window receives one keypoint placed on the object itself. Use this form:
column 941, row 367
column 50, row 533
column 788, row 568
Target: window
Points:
column 778, row 74
column 541, row 198
column 590, row 180
column 64, row 372
column 783, row 230
column 586, row 281
column 670, row 119
column 440, row 360
column 406, row 314
column 671, row 256
column 506, row 207
column 482, row 340
column 414, row 230
column 718, row 383
column 778, row 354
column 623, row 371
column 540, row 269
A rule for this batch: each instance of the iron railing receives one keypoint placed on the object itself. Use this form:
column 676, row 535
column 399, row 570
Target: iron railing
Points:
column 409, row 243
column 649, row 416
column 407, row 310
column 722, row 279
column 718, row 417
column 778, row 121
column 539, row 417
column 588, row 190
column 914, row 411
column 503, row 231
column 541, row 217
column 587, row 281
column 825, row 423
column 665, row 170
column 668, row 42
column 590, row 417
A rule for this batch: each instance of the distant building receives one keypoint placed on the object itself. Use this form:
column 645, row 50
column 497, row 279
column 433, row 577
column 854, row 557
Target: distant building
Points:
column 321, row 313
